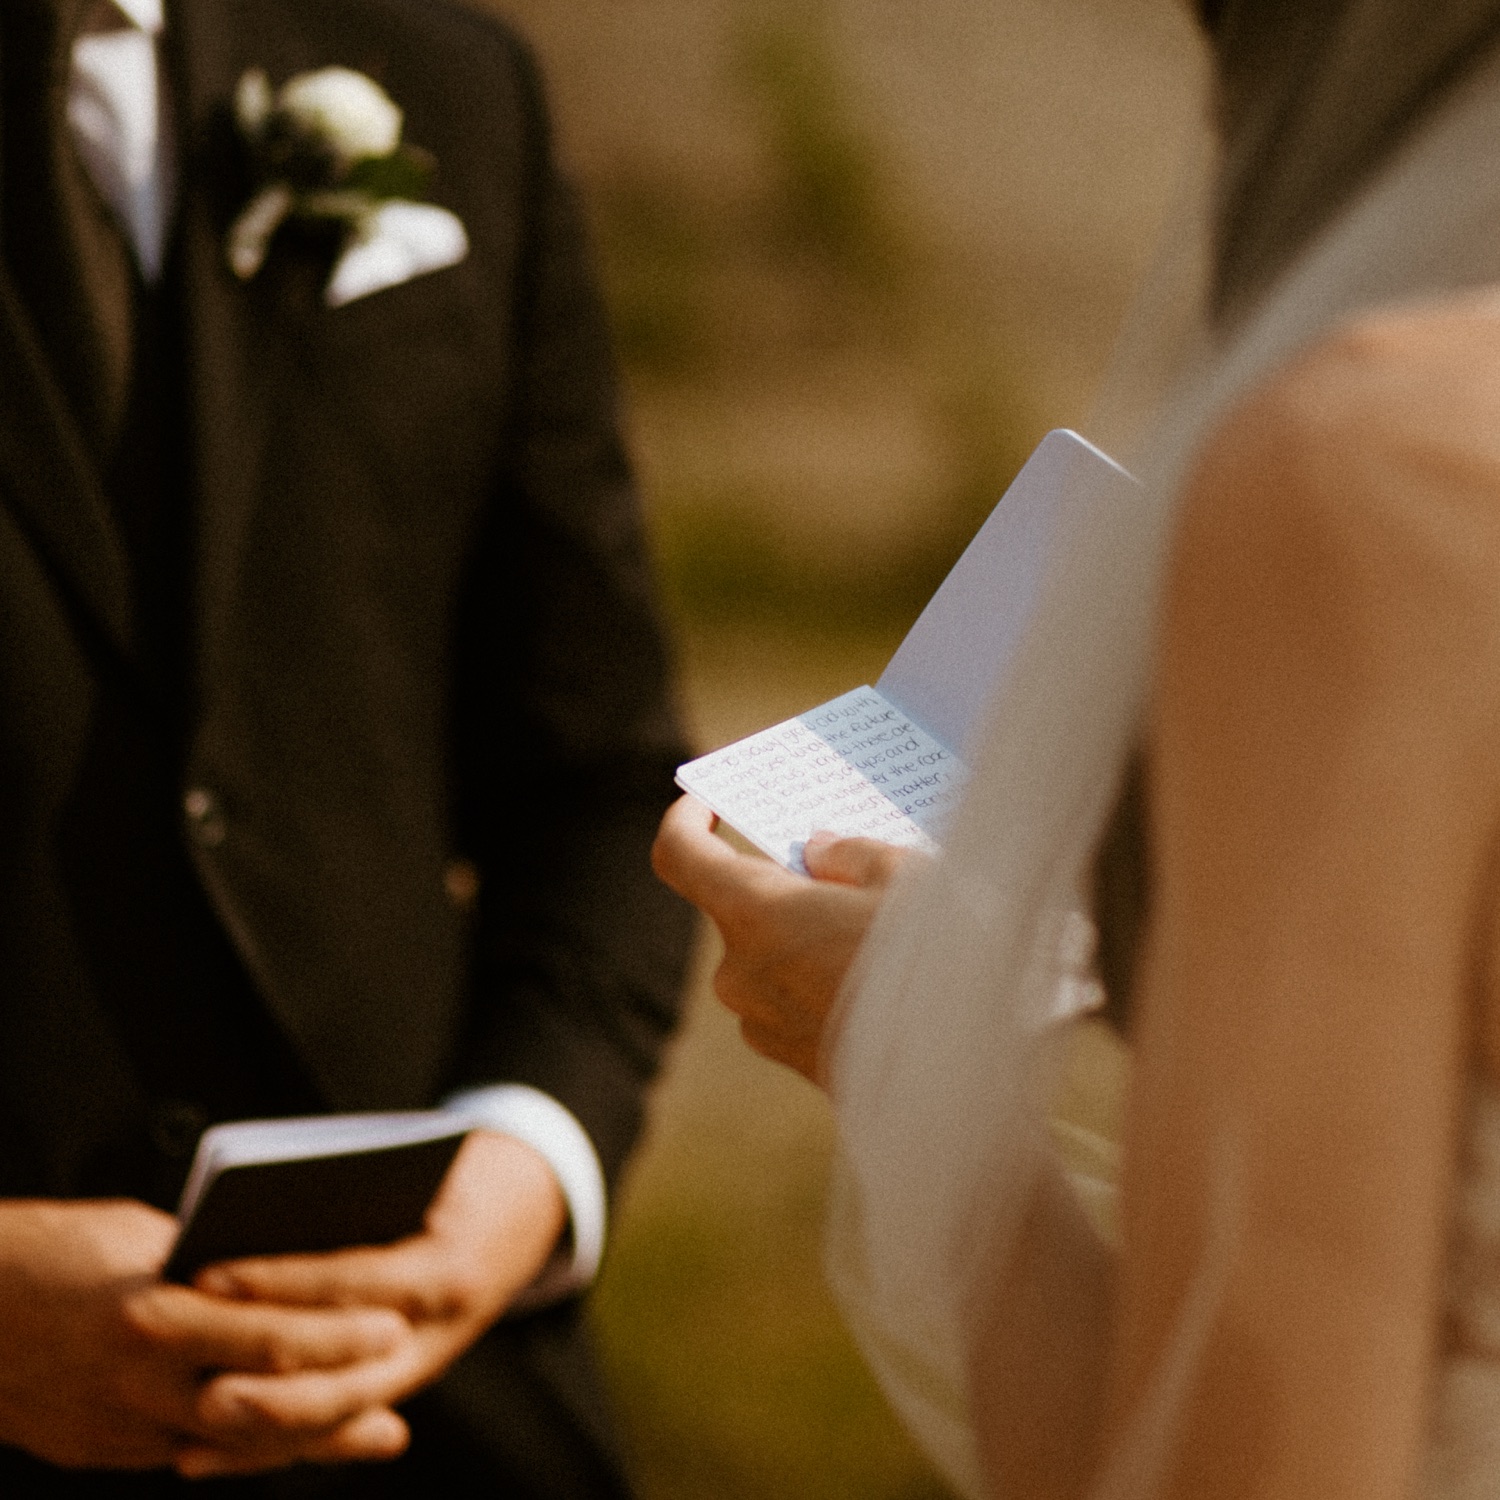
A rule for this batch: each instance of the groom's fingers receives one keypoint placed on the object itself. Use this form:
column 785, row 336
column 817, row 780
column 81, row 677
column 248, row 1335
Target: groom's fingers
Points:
column 376, row 1433
column 211, row 1333
column 308, row 1403
column 704, row 869
column 407, row 1276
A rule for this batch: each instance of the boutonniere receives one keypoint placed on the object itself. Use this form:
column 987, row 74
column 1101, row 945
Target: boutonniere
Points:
column 326, row 148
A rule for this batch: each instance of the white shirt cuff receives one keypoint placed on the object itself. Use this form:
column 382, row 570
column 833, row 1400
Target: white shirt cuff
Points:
column 549, row 1128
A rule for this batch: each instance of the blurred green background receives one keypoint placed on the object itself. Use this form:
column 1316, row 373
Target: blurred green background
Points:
column 859, row 256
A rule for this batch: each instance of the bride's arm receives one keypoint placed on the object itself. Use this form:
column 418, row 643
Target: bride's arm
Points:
column 1325, row 762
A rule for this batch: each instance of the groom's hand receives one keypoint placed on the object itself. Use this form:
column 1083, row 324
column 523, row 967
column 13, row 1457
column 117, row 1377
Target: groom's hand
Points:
column 489, row 1232
column 788, row 941
column 102, row 1365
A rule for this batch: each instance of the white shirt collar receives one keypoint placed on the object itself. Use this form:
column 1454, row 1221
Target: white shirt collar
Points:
column 122, row 134
column 145, row 14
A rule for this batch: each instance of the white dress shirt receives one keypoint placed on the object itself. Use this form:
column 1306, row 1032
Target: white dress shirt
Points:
column 121, row 127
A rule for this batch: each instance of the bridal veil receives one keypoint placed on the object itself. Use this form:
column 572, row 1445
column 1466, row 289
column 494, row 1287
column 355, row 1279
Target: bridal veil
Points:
column 1357, row 169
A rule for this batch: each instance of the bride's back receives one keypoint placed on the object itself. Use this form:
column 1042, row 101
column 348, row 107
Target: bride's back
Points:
column 1326, row 791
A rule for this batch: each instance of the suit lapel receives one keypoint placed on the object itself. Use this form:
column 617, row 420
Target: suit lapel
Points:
column 66, row 254
column 53, row 490
column 46, row 477
column 226, row 402
column 242, row 339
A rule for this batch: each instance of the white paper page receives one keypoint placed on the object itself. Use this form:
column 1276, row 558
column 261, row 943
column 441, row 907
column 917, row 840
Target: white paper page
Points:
column 857, row 766
column 831, row 767
column 954, row 657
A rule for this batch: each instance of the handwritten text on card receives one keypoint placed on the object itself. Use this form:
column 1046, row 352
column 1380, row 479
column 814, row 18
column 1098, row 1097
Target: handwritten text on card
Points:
column 857, row 766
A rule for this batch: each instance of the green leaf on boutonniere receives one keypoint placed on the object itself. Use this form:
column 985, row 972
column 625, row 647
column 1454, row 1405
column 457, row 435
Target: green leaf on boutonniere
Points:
column 403, row 174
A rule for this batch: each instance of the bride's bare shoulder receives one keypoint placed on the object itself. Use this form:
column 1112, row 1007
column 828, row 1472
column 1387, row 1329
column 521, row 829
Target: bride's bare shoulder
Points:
column 1391, row 420
column 1352, row 501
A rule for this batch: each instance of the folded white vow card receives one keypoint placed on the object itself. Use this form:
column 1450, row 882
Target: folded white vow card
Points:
column 858, row 765
column 886, row 762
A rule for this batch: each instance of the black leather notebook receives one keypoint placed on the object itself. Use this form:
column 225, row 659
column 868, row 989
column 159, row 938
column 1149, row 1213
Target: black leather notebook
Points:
column 280, row 1187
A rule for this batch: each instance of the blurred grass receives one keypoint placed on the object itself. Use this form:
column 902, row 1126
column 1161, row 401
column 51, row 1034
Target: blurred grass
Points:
column 734, row 1377
column 832, row 201
column 822, row 225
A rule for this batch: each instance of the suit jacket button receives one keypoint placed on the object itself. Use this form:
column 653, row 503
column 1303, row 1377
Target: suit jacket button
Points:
column 205, row 817
column 175, row 1128
column 461, row 884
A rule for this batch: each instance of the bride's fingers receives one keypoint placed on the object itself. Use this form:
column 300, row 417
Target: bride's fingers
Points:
column 686, row 853
column 775, row 1001
column 748, row 993
column 800, row 1055
column 705, row 870
column 852, row 861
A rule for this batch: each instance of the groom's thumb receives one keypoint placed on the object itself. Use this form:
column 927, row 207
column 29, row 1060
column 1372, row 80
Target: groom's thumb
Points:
column 851, row 861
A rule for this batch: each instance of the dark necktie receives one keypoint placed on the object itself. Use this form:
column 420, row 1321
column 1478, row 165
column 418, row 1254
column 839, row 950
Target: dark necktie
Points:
column 65, row 250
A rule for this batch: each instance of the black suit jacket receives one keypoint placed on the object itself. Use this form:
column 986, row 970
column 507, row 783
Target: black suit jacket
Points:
column 417, row 626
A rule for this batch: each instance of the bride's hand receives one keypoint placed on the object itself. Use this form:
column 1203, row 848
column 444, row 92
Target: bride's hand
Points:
column 788, row 941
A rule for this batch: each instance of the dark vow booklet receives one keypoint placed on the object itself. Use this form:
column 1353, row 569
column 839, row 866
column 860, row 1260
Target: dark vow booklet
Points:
column 285, row 1187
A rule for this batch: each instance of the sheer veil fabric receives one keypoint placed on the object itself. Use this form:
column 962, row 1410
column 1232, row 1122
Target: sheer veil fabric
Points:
column 947, row 1040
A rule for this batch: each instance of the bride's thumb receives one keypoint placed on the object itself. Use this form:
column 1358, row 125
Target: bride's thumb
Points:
column 851, row 861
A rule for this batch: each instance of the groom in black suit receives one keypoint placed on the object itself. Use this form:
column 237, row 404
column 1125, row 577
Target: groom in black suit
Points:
column 334, row 727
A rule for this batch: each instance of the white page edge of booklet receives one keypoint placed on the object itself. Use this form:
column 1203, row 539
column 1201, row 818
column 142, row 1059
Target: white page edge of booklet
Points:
column 240, row 1143
column 951, row 660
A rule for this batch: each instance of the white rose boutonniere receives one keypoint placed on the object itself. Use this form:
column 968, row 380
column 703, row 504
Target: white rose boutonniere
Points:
column 327, row 147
